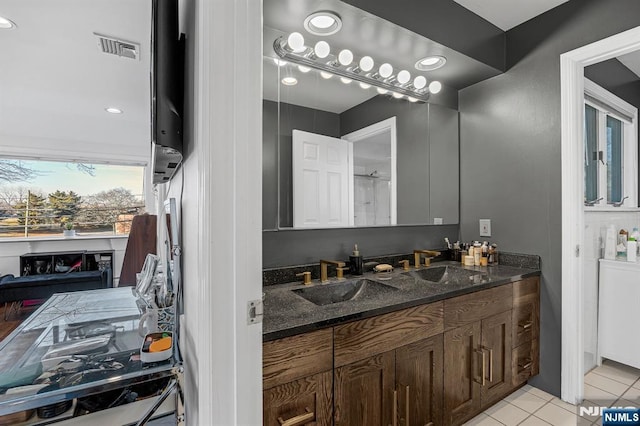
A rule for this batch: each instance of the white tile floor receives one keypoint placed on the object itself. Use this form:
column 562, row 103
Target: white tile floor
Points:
column 611, row 384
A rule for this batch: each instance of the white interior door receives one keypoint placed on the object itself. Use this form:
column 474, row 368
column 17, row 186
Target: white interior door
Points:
column 322, row 193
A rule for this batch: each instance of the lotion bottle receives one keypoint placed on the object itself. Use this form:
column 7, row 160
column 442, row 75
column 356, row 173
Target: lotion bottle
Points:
column 355, row 262
column 632, row 246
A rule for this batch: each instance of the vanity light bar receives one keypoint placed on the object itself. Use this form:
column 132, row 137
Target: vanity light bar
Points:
column 332, row 65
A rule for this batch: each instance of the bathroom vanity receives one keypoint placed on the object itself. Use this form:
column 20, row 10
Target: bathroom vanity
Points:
column 431, row 346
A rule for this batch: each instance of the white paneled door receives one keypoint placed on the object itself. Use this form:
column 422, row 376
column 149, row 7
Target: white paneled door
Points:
column 322, row 181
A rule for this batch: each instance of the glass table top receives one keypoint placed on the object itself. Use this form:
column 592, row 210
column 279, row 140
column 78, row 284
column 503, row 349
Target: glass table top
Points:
column 74, row 345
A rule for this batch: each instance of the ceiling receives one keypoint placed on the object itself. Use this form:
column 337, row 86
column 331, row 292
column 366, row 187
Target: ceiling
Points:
column 631, row 61
column 364, row 34
column 55, row 83
column 506, row 14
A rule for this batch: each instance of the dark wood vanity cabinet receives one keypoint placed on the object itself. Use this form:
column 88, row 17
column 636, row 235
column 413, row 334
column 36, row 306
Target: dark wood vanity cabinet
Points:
column 297, row 376
column 430, row 365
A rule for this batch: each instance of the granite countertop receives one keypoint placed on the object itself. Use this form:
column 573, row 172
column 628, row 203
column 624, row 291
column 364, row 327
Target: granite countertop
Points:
column 287, row 314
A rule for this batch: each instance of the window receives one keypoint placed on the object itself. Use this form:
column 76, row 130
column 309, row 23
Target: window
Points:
column 610, row 149
column 43, row 198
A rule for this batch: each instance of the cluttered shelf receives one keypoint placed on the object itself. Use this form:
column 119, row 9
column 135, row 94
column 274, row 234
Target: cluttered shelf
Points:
column 81, row 344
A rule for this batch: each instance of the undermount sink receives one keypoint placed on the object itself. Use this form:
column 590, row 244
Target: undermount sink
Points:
column 343, row 291
column 443, row 274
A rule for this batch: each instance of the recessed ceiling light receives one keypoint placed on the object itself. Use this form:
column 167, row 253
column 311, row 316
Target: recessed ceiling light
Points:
column 6, row 24
column 323, row 23
column 113, row 110
column 431, row 63
column 289, row 81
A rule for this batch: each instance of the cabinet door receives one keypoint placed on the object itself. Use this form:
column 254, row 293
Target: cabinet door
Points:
column 365, row 392
column 496, row 344
column 462, row 373
column 419, row 375
column 304, row 401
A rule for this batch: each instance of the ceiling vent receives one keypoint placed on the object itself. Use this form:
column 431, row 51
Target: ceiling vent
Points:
column 114, row 46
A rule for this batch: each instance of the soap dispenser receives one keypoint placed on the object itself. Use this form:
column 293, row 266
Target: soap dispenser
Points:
column 355, row 262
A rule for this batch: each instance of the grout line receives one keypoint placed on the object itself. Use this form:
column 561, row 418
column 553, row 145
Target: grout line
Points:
column 610, row 378
column 618, row 396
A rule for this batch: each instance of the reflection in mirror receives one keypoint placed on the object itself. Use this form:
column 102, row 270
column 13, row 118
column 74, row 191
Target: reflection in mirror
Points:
column 310, row 114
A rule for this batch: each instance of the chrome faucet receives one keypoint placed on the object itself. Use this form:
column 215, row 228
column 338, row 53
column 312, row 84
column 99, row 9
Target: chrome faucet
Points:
column 592, row 203
column 620, row 203
column 427, row 261
column 323, row 269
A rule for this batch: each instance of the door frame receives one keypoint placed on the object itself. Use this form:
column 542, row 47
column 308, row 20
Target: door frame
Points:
column 572, row 65
column 372, row 130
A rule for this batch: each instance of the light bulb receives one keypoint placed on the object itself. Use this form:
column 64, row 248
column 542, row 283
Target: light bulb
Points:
column 279, row 62
column 435, row 87
column 365, row 85
column 322, row 49
column 366, row 63
column 420, row 82
column 6, row 24
column 289, row 81
column 412, row 99
column 398, row 95
column 323, row 21
column 385, row 70
column 326, row 75
column 382, row 91
column 296, row 42
column 303, row 69
column 404, row 76
column 345, row 80
column 345, row 57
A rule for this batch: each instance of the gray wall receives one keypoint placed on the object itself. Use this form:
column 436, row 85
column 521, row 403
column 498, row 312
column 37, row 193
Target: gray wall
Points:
column 302, row 246
column 510, row 149
column 445, row 22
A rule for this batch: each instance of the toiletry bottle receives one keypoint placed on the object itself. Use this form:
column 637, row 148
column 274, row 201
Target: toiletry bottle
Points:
column 355, row 262
column 610, row 243
column 477, row 253
column 636, row 236
column 632, row 248
column 494, row 247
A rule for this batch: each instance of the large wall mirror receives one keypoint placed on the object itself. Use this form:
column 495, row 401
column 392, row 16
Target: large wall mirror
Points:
column 340, row 153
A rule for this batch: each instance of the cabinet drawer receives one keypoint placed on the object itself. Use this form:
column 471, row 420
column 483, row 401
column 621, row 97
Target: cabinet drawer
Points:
column 526, row 311
column 526, row 291
column 473, row 307
column 361, row 339
column 291, row 358
column 525, row 362
column 308, row 400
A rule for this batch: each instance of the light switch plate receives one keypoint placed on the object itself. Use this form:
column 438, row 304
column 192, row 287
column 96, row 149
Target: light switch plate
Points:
column 485, row 227
column 437, row 221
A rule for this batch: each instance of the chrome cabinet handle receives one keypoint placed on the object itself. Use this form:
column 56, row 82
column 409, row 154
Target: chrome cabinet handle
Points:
column 407, row 406
column 482, row 379
column 490, row 362
column 395, row 408
column 298, row 420
column 526, row 325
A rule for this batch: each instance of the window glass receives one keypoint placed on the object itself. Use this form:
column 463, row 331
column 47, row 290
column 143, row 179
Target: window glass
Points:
column 591, row 154
column 43, row 198
column 614, row 160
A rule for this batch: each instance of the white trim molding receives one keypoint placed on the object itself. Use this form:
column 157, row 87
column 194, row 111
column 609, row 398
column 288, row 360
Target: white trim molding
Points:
column 572, row 106
column 228, row 148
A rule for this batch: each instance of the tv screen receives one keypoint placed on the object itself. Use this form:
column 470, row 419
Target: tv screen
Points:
column 167, row 68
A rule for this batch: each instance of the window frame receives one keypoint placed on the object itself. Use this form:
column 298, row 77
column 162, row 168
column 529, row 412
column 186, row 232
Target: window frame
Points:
column 629, row 145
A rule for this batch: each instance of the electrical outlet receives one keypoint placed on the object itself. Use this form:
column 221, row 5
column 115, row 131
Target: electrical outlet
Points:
column 437, row 221
column 485, row 227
